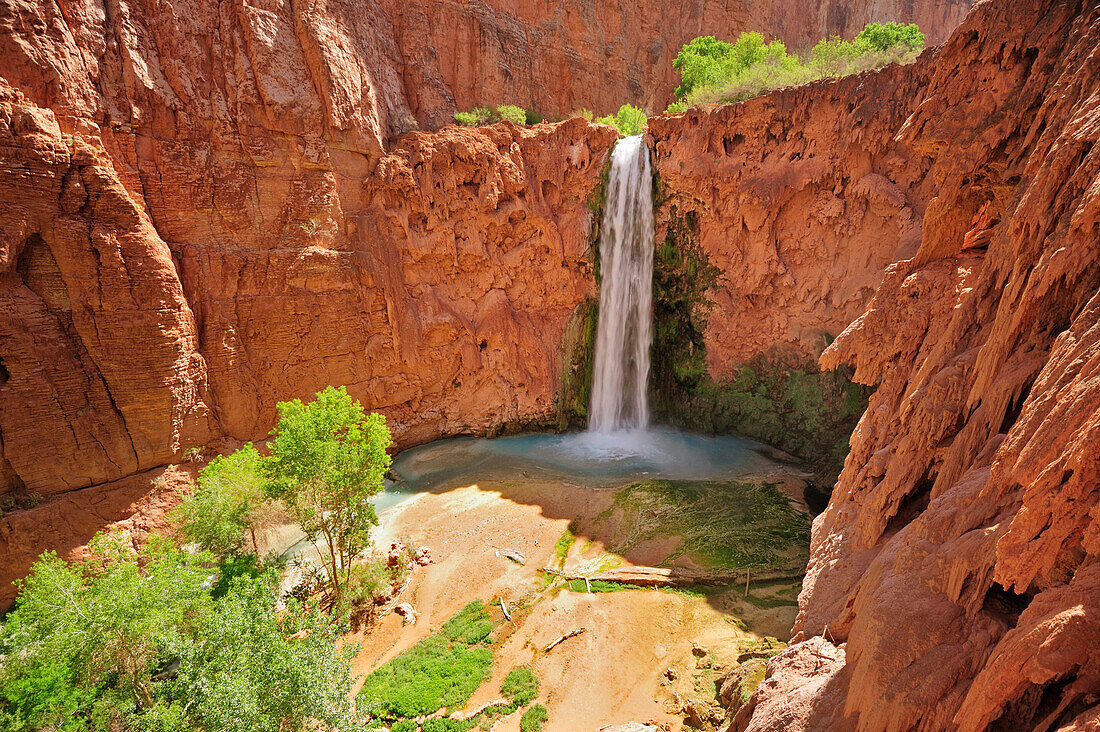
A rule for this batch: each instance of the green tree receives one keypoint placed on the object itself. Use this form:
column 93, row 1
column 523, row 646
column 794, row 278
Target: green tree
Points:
column 89, row 634
column 701, row 62
column 327, row 459
column 248, row 669
column 227, row 504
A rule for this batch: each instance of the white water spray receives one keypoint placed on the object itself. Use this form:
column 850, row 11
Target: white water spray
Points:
column 620, row 372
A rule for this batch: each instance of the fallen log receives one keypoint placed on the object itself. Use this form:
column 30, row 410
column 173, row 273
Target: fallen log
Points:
column 685, row 576
column 504, row 607
column 565, row 637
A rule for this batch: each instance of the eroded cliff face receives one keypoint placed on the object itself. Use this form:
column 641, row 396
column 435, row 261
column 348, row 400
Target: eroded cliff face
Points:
column 243, row 238
column 954, row 575
column 801, row 198
column 599, row 54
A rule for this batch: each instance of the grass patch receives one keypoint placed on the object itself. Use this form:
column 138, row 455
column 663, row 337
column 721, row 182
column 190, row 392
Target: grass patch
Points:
column 562, row 547
column 533, row 719
column 727, row 525
column 441, row 671
column 520, row 686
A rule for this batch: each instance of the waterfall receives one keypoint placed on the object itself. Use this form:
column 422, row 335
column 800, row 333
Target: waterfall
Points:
column 624, row 330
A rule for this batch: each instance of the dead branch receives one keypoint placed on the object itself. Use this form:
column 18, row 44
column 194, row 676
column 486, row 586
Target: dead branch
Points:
column 565, row 637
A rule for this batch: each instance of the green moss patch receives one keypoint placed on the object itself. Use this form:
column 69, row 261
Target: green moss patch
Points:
column 440, row 671
column 724, row 525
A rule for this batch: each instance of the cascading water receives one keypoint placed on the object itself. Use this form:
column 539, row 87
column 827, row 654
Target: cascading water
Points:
column 623, row 333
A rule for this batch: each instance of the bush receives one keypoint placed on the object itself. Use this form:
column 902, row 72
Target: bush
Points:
column 440, row 671
column 716, row 71
column 479, row 116
column 628, row 120
column 512, row 113
column 533, row 719
column 520, row 686
column 371, row 580
column 404, row 725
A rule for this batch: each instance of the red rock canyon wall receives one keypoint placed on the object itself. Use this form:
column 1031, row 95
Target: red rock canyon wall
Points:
column 954, row 574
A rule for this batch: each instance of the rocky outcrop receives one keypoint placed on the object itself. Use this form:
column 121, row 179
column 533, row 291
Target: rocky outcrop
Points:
column 437, row 287
column 598, row 54
column 801, row 198
column 955, row 567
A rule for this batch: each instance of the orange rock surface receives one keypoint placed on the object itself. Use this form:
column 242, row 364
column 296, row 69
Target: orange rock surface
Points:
column 956, row 562
column 554, row 58
column 801, row 198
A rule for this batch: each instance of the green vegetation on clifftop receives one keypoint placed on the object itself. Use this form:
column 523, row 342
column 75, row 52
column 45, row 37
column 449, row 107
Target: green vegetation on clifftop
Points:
column 714, row 71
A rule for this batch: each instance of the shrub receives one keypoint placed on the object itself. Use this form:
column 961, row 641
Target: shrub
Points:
column 533, row 719
column 443, row 724
column 440, row 671
column 512, row 113
column 370, row 580
column 716, row 71
column 470, row 626
column 479, row 116
column 883, row 36
column 404, row 725
column 520, row 686
column 629, row 120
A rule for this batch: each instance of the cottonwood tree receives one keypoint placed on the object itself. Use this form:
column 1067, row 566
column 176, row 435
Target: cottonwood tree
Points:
column 327, row 459
column 133, row 642
column 227, row 506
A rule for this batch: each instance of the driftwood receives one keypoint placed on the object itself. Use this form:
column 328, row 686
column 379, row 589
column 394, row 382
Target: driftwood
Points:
column 565, row 637
column 684, row 576
column 505, row 609
column 516, row 557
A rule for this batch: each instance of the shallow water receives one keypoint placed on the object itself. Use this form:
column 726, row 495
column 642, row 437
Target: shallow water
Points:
column 583, row 458
column 587, row 458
